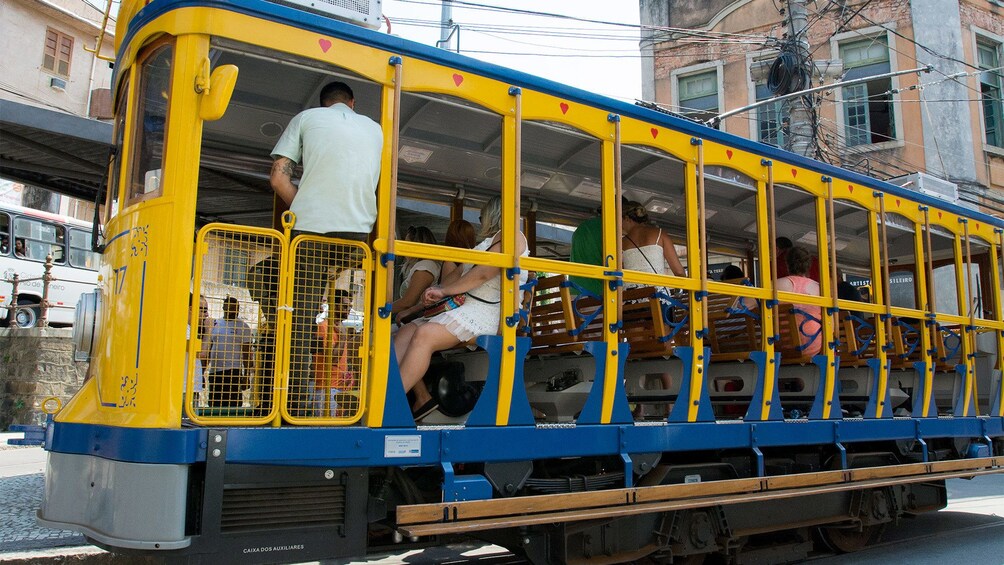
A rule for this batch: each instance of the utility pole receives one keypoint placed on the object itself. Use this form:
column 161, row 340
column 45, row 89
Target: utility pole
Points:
column 801, row 134
column 446, row 26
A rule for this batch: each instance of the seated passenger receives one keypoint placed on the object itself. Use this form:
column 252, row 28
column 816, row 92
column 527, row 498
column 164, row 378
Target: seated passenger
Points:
column 461, row 234
column 646, row 247
column 418, row 274
column 480, row 313
column 798, row 281
column 19, row 247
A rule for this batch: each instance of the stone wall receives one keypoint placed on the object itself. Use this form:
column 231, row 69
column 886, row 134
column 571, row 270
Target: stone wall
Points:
column 34, row 365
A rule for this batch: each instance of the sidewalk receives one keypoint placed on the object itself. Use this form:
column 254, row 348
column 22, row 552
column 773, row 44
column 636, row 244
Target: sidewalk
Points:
column 22, row 540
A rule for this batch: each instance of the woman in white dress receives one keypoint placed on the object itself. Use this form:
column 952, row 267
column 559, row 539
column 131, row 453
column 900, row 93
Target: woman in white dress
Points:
column 415, row 343
column 419, row 274
column 646, row 247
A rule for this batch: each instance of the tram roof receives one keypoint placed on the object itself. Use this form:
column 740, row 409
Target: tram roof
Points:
column 361, row 35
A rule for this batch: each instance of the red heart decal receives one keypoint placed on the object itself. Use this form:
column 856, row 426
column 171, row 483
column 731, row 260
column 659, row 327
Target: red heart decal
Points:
column 897, row 202
column 939, row 215
column 564, row 108
column 457, row 79
column 655, row 133
column 325, row 44
column 794, row 173
column 728, row 153
column 977, row 226
column 850, row 188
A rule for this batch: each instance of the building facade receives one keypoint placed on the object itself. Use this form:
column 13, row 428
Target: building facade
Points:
column 705, row 57
column 50, row 62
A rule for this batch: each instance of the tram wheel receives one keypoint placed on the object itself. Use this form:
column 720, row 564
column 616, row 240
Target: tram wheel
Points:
column 844, row 539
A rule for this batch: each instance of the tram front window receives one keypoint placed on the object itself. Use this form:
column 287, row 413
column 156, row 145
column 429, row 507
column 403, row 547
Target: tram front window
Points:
column 148, row 154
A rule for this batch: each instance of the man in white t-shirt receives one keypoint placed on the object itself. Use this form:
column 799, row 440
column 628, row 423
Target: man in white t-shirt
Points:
column 340, row 151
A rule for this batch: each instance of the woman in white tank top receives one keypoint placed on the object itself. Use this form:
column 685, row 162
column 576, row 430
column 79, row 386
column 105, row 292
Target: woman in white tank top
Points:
column 646, row 247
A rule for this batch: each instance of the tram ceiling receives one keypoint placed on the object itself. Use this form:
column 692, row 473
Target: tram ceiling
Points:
column 46, row 148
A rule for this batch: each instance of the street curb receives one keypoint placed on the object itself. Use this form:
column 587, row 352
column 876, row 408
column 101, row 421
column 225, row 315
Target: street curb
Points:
column 81, row 555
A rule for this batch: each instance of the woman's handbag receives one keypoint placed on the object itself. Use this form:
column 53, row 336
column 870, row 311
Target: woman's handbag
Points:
column 443, row 305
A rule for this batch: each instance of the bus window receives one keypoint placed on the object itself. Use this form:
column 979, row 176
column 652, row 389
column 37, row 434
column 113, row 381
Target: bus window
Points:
column 148, row 138
column 4, row 234
column 80, row 250
column 35, row 239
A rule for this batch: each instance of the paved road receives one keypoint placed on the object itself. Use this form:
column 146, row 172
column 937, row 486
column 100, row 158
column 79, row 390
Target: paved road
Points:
column 970, row 530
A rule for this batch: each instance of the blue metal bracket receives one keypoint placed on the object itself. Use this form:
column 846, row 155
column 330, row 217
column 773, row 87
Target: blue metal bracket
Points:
column 387, row 258
column 843, row 454
column 766, row 162
column 766, row 372
column 681, row 408
column 396, row 412
column 700, row 295
column 484, row 413
column 512, row 272
column 771, row 303
column 696, row 141
column 961, row 407
column 613, row 118
column 995, row 396
column 464, row 487
column 872, row 408
column 385, row 310
column 920, row 440
column 761, row 469
column 816, row 413
column 919, row 410
column 628, row 470
column 515, row 91
column 394, row 60
column 592, row 411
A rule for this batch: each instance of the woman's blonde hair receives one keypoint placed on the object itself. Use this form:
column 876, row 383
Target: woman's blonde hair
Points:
column 491, row 217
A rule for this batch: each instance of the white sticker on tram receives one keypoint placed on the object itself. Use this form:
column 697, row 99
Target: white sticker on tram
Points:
column 402, row 446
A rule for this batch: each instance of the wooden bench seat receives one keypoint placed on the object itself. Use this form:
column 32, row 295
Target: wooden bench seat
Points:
column 562, row 322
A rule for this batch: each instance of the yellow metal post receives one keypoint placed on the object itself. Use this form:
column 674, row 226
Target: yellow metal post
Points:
column 768, row 276
column 827, row 333
column 510, row 303
column 996, row 250
column 696, row 263
column 613, row 309
column 925, row 336
column 878, row 297
column 383, row 291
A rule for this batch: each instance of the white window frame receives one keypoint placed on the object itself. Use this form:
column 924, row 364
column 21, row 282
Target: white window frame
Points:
column 986, row 36
column 897, row 114
column 675, row 76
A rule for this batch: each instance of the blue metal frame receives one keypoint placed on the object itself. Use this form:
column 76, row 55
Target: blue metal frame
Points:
column 359, row 446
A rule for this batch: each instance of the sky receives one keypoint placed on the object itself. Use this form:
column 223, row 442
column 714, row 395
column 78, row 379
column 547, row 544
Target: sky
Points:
column 599, row 58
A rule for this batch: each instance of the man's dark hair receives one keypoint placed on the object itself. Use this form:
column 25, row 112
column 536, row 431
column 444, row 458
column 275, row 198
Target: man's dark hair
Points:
column 783, row 243
column 231, row 308
column 336, row 92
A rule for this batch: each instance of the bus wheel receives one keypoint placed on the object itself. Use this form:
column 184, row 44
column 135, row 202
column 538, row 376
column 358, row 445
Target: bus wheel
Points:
column 26, row 314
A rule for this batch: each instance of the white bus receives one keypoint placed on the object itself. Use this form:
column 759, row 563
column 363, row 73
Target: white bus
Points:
column 27, row 236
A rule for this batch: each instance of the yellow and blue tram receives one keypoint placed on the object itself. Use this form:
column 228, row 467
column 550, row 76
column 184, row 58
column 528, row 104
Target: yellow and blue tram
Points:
column 657, row 416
